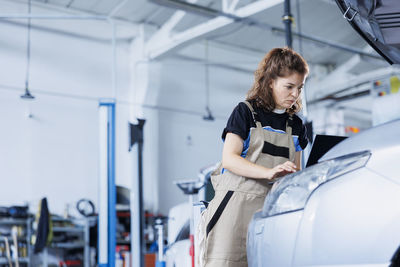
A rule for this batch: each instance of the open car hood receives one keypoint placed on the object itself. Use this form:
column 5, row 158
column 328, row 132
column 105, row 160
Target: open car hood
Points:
column 378, row 22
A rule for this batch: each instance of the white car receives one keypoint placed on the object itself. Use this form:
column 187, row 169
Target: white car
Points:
column 345, row 210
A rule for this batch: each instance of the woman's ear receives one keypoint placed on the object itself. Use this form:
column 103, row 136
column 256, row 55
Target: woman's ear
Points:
column 271, row 84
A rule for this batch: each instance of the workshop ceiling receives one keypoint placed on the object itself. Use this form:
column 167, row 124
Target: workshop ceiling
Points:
column 317, row 18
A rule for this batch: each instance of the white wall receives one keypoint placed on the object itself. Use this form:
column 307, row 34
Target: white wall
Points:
column 186, row 141
column 55, row 153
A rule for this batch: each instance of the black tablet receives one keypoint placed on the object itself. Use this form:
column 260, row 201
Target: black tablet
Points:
column 322, row 143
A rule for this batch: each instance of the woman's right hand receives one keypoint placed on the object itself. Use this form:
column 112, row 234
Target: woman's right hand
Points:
column 281, row 170
column 234, row 162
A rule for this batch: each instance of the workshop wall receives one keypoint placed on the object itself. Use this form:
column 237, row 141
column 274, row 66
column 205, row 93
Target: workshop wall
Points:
column 52, row 141
column 188, row 143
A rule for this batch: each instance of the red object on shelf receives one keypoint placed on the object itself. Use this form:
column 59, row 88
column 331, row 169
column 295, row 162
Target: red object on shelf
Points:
column 119, row 248
column 70, row 263
column 125, row 214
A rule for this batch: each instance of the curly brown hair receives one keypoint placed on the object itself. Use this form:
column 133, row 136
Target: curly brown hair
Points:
column 279, row 62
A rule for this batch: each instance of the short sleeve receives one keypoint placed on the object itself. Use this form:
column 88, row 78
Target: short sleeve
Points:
column 303, row 140
column 299, row 134
column 239, row 122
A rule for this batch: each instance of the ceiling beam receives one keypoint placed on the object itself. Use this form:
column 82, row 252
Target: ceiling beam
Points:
column 235, row 17
column 177, row 40
column 165, row 31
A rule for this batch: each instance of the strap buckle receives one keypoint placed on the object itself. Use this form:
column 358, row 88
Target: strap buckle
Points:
column 347, row 11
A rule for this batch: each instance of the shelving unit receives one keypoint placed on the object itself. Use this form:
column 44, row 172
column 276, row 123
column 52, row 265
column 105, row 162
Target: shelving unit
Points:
column 123, row 225
column 123, row 235
column 4, row 261
column 70, row 242
column 23, row 240
column 77, row 233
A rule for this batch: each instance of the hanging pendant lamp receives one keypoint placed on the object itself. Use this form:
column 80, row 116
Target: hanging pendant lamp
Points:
column 27, row 95
column 208, row 116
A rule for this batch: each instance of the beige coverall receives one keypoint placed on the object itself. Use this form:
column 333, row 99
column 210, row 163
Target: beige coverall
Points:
column 237, row 198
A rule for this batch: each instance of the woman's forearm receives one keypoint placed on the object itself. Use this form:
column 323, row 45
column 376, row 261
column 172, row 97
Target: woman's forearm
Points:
column 242, row 167
column 235, row 163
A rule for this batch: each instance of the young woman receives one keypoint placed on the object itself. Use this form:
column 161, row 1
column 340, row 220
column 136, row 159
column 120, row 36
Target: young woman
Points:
column 263, row 140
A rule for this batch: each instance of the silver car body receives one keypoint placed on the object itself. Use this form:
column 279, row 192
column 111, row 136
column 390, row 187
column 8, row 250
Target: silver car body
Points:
column 351, row 220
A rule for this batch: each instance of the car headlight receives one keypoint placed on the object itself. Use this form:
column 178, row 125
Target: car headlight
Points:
column 291, row 192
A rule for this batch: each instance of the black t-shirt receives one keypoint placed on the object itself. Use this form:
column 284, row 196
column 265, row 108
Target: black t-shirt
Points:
column 241, row 120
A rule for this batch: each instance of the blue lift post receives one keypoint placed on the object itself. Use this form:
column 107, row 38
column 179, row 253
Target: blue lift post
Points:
column 107, row 192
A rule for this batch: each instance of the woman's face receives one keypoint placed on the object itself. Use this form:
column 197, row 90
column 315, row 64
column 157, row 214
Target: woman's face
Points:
column 286, row 90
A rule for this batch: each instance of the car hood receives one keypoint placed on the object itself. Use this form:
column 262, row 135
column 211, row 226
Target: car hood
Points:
column 377, row 21
column 378, row 138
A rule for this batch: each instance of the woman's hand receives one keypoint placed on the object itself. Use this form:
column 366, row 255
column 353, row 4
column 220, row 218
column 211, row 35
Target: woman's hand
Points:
column 281, row 170
column 234, row 162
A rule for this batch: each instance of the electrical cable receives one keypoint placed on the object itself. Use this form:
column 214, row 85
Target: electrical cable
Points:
column 208, row 116
column 85, row 207
column 207, row 76
column 27, row 94
column 28, row 46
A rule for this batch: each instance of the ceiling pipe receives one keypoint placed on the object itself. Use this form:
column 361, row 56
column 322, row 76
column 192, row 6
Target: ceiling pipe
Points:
column 212, row 13
column 287, row 21
column 60, row 16
column 65, row 33
column 66, row 9
column 110, row 18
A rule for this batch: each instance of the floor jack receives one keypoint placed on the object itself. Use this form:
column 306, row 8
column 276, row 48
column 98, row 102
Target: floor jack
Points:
column 191, row 188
